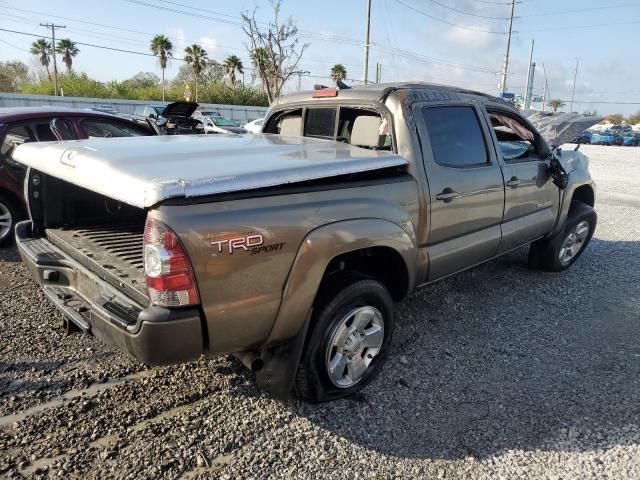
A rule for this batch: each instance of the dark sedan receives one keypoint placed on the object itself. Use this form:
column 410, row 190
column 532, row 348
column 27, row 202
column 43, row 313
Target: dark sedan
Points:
column 45, row 124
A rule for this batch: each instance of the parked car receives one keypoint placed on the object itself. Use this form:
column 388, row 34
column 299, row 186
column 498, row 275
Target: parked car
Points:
column 583, row 138
column 205, row 112
column 143, row 113
column 602, row 138
column 290, row 248
column 33, row 124
column 174, row 119
column 221, row 125
column 631, row 139
column 254, row 126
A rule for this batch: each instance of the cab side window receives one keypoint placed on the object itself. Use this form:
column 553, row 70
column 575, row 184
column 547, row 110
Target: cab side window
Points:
column 516, row 141
column 456, row 137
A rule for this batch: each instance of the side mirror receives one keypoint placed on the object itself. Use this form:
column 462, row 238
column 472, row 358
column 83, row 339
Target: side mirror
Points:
column 153, row 116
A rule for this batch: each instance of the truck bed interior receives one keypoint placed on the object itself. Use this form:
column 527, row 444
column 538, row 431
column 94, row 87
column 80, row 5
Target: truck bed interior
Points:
column 103, row 235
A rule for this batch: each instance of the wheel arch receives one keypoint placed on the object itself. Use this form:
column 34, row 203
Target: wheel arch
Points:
column 355, row 242
column 585, row 194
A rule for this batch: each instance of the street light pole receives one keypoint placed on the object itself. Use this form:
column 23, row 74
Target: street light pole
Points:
column 366, row 44
column 505, row 66
column 53, row 27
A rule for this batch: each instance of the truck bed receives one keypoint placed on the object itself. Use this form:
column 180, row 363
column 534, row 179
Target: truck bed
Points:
column 113, row 252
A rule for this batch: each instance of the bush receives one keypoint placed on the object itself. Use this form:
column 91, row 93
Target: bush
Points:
column 80, row 85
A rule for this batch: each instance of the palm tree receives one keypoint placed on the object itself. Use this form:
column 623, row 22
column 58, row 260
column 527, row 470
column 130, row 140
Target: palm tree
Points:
column 232, row 65
column 196, row 57
column 162, row 48
column 338, row 73
column 42, row 49
column 68, row 50
column 556, row 104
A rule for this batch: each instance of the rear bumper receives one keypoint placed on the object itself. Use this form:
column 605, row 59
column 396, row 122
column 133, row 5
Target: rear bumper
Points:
column 153, row 335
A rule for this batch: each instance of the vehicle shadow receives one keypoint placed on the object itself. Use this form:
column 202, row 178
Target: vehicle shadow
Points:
column 502, row 358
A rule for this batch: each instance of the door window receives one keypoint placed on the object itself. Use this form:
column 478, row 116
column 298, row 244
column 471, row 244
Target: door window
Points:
column 456, row 136
column 516, row 141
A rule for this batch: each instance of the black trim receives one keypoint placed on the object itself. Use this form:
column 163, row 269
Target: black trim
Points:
column 364, row 179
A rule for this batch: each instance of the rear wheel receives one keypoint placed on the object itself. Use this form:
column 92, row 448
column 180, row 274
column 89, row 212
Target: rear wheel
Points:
column 347, row 343
column 562, row 250
column 9, row 215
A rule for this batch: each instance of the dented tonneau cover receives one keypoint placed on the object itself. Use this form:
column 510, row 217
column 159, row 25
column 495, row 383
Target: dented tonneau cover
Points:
column 142, row 171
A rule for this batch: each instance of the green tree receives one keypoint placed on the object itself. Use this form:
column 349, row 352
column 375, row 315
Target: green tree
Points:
column 233, row 65
column 634, row 119
column 42, row 49
column 69, row 51
column 13, row 76
column 162, row 48
column 615, row 119
column 556, row 104
column 338, row 73
column 196, row 58
column 274, row 47
column 142, row 80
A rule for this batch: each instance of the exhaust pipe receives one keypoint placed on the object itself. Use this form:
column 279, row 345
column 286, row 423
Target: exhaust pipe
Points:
column 251, row 360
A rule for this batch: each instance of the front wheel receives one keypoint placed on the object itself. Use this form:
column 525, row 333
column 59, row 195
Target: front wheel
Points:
column 562, row 250
column 347, row 343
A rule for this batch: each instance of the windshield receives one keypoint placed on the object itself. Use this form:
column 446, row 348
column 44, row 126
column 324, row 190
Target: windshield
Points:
column 159, row 110
column 223, row 122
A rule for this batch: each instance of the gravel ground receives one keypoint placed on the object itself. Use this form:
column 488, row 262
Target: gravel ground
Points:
column 500, row 372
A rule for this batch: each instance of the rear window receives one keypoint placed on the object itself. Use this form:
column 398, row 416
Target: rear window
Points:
column 456, row 136
column 320, row 123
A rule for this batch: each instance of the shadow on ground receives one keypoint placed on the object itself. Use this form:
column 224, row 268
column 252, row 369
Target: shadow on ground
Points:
column 503, row 358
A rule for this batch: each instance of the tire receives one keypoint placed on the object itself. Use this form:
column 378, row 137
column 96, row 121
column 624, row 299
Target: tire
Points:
column 559, row 252
column 362, row 301
column 9, row 216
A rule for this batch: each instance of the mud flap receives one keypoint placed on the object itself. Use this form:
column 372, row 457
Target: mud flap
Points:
column 281, row 363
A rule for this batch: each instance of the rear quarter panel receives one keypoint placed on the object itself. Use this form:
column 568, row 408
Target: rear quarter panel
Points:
column 241, row 292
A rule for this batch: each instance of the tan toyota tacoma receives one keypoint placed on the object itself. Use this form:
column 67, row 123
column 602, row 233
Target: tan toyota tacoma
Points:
column 290, row 248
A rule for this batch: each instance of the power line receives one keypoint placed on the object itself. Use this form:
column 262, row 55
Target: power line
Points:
column 579, row 10
column 467, row 13
column 432, row 17
column 572, row 27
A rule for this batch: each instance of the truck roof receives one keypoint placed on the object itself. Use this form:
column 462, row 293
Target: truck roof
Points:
column 374, row 92
column 142, row 171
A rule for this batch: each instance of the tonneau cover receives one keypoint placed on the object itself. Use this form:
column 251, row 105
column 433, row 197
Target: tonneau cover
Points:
column 143, row 171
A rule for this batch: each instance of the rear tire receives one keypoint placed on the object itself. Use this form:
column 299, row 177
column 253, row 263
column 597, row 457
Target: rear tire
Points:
column 9, row 216
column 559, row 252
column 350, row 332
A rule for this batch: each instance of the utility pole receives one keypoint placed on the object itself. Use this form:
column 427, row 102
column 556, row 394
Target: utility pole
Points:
column 378, row 72
column 546, row 87
column 527, row 100
column 573, row 92
column 53, row 27
column 366, row 44
column 505, row 66
column 300, row 73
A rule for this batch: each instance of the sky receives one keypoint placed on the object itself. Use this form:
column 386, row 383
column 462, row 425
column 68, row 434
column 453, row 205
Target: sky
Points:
column 457, row 42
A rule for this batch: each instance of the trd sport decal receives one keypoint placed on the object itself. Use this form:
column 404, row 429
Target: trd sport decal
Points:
column 249, row 243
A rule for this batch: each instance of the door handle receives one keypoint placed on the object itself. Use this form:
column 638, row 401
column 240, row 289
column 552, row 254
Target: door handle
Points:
column 513, row 183
column 447, row 195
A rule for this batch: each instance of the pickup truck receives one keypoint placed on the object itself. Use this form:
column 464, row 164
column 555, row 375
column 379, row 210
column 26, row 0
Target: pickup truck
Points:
column 290, row 248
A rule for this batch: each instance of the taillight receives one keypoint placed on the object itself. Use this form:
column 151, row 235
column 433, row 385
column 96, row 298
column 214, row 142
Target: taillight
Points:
column 167, row 268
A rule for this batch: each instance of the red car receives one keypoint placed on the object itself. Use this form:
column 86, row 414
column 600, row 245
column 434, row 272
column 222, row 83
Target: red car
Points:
column 45, row 124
